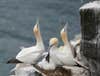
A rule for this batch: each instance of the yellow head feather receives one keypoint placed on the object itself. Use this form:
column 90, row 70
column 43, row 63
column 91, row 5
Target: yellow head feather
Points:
column 53, row 41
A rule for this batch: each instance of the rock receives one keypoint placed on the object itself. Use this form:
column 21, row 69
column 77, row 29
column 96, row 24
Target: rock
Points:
column 90, row 28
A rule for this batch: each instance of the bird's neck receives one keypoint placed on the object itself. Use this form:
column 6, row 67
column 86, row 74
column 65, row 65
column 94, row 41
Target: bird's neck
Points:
column 39, row 41
column 65, row 39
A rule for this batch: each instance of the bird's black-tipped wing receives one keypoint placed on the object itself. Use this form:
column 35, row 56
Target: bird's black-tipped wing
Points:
column 13, row 61
column 48, row 57
column 81, row 65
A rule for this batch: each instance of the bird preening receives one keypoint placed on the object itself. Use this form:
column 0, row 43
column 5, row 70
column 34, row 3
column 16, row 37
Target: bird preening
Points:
column 55, row 56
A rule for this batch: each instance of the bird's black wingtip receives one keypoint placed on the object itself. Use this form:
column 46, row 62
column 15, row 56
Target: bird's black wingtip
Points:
column 13, row 61
column 48, row 58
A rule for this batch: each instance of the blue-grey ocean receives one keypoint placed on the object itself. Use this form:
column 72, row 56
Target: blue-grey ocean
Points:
column 17, row 18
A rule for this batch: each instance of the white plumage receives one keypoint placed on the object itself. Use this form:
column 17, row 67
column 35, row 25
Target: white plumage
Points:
column 31, row 54
column 44, row 64
column 50, row 64
column 23, row 70
column 65, row 53
column 59, row 56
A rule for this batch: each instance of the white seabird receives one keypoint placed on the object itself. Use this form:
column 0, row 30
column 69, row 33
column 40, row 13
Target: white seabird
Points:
column 69, row 56
column 57, row 56
column 66, row 52
column 31, row 55
column 76, row 41
column 62, row 56
column 48, row 62
column 23, row 70
column 76, row 45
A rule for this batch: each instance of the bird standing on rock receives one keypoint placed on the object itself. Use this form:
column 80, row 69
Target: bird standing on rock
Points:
column 60, row 56
column 66, row 52
column 48, row 62
column 70, row 53
column 32, row 54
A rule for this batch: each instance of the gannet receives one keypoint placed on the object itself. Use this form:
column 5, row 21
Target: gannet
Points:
column 76, row 41
column 49, row 62
column 66, row 52
column 65, row 55
column 58, row 56
column 23, row 70
column 69, row 57
column 76, row 45
column 31, row 54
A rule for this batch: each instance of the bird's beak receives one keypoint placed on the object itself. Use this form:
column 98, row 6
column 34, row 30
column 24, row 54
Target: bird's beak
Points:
column 36, row 27
column 65, row 27
column 37, row 22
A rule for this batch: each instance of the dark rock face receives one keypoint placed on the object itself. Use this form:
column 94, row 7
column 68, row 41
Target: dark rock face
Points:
column 90, row 45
